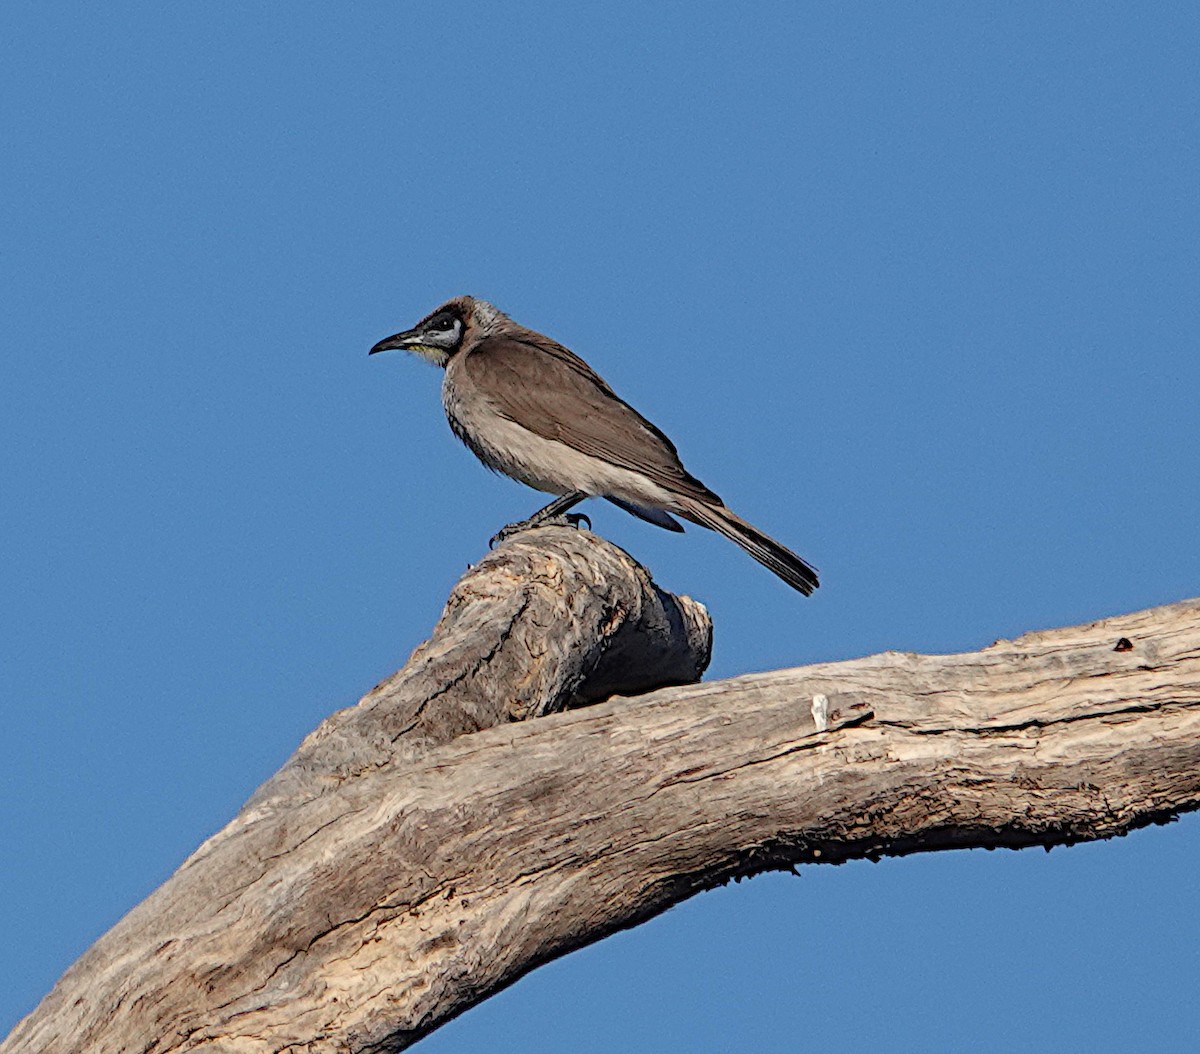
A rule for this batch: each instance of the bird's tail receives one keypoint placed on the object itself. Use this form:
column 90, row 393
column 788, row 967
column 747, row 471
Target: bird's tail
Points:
column 796, row 572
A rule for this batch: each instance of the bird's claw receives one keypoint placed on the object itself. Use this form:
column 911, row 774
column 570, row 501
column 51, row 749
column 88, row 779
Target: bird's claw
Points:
column 505, row 533
column 572, row 519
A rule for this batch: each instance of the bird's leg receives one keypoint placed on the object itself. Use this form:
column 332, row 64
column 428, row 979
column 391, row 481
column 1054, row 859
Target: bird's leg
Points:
column 551, row 512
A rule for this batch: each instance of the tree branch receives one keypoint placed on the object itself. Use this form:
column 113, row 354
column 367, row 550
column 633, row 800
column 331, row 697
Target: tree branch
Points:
column 396, row 871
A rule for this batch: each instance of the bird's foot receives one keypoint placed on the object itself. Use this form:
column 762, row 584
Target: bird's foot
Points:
column 550, row 514
column 570, row 519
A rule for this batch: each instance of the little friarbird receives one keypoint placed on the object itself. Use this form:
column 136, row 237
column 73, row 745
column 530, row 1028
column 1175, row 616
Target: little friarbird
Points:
column 535, row 411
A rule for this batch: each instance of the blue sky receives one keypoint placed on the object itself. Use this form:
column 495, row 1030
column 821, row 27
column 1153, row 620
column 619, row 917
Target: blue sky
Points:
column 912, row 286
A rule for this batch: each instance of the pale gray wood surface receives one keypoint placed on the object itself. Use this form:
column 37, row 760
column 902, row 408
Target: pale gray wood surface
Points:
column 397, row 871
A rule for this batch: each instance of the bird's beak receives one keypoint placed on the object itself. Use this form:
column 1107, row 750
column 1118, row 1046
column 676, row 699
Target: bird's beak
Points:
column 399, row 341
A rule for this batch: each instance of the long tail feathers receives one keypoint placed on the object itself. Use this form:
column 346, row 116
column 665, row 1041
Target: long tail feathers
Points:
column 796, row 572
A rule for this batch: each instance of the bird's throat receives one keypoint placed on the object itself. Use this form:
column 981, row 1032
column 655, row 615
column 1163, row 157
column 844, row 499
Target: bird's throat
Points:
column 430, row 353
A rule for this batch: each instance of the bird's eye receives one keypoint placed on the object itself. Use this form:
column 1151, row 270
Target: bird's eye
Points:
column 442, row 324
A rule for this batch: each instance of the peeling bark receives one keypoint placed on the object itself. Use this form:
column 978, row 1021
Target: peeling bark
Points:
column 398, row 870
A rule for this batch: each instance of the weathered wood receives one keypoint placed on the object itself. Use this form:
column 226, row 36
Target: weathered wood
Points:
column 548, row 620
column 358, row 910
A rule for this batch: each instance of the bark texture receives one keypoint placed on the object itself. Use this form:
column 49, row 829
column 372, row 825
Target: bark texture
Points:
column 397, row 870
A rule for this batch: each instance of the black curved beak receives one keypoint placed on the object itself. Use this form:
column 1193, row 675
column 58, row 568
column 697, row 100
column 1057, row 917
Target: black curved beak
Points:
column 396, row 342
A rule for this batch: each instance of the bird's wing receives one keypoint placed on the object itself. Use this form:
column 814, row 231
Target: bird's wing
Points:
column 654, row 516
column 549, row 390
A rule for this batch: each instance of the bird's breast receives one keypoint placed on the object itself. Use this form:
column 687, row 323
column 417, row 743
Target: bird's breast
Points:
column 499, row 442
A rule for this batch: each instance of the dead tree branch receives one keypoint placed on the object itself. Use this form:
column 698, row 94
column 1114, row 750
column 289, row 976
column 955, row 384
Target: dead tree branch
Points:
column 397, row 870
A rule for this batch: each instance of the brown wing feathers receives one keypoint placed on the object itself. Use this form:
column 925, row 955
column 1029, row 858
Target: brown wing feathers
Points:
column 551, row 391
column 584, row 412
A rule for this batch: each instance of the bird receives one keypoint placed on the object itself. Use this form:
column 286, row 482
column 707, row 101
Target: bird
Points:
column 533, row 410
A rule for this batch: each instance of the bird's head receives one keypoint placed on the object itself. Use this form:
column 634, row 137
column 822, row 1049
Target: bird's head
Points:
column 443, row 333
